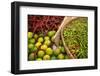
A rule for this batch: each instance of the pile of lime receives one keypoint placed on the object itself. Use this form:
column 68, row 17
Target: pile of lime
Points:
column 41, row 47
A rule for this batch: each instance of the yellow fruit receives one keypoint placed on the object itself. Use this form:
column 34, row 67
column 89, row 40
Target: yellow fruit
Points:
column 40, row 39
column 38, row 44
column 47, row 42
column 49, row 51
column 60, row 56
column 57, row 51
column 30, row 46
column 35, row 36
column 51, row 33
column 40, row 53
column 44, row 47
column 46, row 57
column 30, row 34
column 39, row 59
column 32, row 40
column 46, row 38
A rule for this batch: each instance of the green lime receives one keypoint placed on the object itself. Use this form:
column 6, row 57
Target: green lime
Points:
column 44, row 47
column 32, row 40
column 30, row 34
column 35, row 36
column 62, row 49
column 34, row 49
column 40, row 53
column 30, row 46
column 38, row 59
column 46, row 57
column 47, row 42
column 49, row 51
column 66, row 57
column 53, row 58
column 57, row 51
column 38, row 44
column 60, row 56
column 40, row 39
column 51, row 33
column 31, row 56
column 46, row 38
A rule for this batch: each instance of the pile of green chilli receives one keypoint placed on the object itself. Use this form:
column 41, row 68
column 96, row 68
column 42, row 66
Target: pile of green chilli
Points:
column 76, row 37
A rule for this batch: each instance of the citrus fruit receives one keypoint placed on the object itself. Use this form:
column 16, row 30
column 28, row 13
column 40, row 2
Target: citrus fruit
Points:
column 49, row 51
column 47, row 42
column 30, row 34
column 40, row 39
column 35, row 36
column 38, row 44
column 44, row 47
column 46, row 57
column 66, row 57
column 57, row 51
column 53, row 58
column 60, row 56
column 32, row 41
column 31, row 56
column 30, row 46
column 38, row 59
column 46, row 38
column 51, row 33
column 41, row 53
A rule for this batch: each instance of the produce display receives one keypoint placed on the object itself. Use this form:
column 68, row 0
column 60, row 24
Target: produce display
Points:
column 76, row 37
column 42, row 47
column 41, row 30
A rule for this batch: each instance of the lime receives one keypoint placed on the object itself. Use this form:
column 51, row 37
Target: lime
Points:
column 38, row 44
column 62, row 49
column 38, row 59
column 41, row 53
column 53, row 58
column 51, row 33
column 57, row 51
column 32, row 40
column 35, row 36
column 49, row 51
column 31, row 56
column 30, row 34
column 46, row 38
column 30, row 46
column 44, row 47
column 46, row 57
column 66, row 57
column 47, row 42
column 40, row 39
column 60, row 56
column 34, row 49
